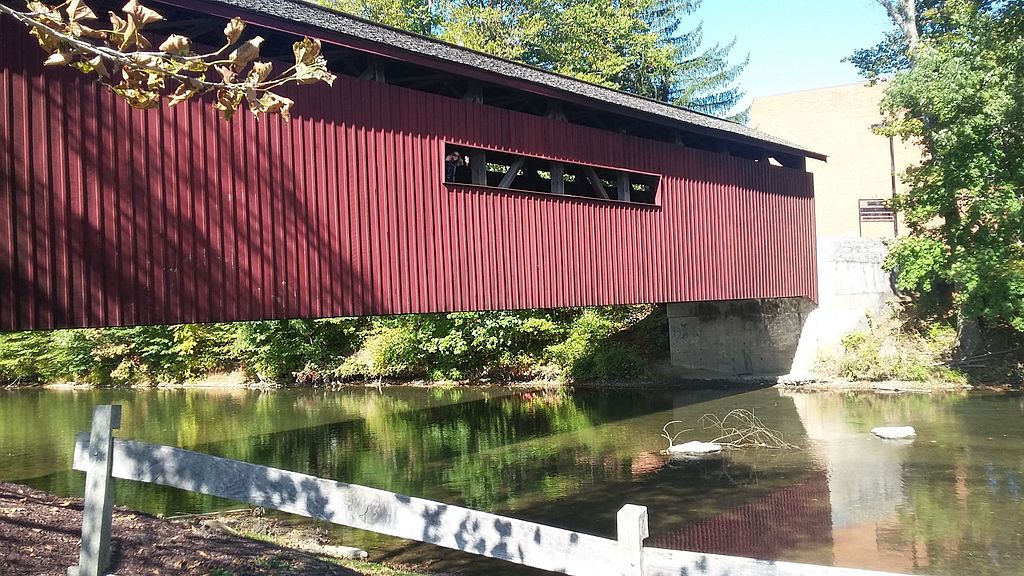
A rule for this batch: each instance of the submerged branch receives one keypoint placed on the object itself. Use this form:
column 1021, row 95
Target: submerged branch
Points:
column 738, row 430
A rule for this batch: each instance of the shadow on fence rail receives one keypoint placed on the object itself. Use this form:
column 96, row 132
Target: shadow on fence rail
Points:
column 104, row 458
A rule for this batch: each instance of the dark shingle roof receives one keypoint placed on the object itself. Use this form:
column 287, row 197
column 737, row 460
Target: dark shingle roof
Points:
column 392, row 40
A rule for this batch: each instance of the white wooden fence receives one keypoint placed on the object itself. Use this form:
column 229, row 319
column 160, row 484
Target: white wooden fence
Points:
column 564, row 551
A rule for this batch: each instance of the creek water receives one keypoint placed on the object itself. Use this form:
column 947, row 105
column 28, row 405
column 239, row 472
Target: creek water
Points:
column 947, row 503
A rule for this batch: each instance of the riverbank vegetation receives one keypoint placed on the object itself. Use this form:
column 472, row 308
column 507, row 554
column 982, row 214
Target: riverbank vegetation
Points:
column 955, row 94
column 896, row 347
column 909, row 344
column 581, row 344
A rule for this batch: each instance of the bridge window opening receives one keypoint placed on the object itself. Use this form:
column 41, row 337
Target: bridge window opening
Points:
column 493, row 169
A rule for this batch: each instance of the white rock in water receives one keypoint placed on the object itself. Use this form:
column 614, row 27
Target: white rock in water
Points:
column 694, row 448
column 894, row 432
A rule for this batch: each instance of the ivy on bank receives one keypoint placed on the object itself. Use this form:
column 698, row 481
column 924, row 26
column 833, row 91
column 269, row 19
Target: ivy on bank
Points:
column 613, row 343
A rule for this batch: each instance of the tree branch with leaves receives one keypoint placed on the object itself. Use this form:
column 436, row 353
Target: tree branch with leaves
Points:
column 958, row 97
column 124, row 61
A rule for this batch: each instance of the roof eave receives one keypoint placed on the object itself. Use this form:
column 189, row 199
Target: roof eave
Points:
column 294, row 17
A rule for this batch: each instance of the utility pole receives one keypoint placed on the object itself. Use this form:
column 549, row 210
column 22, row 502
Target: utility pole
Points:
column 892, row 179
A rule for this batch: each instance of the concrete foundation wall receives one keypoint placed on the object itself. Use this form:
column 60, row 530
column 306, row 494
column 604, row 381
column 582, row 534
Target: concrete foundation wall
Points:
column 852, row 286
column 736, row 338
column 783, row 336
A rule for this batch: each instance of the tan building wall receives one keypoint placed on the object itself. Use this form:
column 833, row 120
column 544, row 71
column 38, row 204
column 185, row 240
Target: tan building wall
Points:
column 837, row 122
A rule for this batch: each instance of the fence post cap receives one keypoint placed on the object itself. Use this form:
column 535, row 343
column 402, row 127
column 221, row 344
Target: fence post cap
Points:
column 634, row 515
column 115, row 414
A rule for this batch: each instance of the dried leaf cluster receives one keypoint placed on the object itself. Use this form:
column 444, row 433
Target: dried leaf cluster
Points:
column 124, row 61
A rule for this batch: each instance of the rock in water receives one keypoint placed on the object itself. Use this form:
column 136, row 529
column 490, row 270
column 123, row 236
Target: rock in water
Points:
column 894, row 432
column 694, row 448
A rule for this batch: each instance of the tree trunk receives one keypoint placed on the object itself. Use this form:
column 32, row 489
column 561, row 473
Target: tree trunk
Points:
column 968, row 336
column 903, row 13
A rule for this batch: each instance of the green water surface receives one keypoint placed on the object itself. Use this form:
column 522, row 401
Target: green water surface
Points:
column 947, row 503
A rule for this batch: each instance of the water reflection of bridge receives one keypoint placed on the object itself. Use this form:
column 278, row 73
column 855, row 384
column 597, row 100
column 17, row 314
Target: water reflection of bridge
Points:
column 571, row 460
column 843, row 510
column 794, row 523
column 832, row 503
column 771, row 506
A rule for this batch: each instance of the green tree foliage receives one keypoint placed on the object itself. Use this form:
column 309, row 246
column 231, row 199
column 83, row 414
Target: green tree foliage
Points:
column 640, row 46
column 604, row 42
column 589, row 351
column 412, row 15
column 576, row 344
column 283, row 350
column 611, row 343
column 702, row 80
column 962, row 100
column 115, row 356
column 511, row 29
column 912, row 20
column 887, row 57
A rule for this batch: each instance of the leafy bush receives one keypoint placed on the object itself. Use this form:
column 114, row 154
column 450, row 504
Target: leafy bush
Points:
column 393, row 349
column 894, row 350
column 276, row 350
column 592, row 351
column 20, row 355
column 609, row 343
column 461, row 344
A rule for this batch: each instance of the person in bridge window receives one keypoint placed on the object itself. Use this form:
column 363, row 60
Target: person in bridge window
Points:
column 452, row 162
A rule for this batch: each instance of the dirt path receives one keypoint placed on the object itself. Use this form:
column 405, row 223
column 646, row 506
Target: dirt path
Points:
column 39, row 534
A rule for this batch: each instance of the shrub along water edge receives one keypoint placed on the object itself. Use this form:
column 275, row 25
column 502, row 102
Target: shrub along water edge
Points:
column 579, row 344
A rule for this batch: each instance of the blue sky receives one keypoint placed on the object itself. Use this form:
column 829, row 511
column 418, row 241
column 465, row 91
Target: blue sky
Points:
column 793, row 44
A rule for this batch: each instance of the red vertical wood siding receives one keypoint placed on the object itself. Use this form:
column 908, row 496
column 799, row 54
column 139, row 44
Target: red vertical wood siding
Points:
column 112, row 216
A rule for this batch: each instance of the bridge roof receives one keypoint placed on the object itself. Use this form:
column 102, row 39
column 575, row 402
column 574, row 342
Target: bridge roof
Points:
column 299, row 17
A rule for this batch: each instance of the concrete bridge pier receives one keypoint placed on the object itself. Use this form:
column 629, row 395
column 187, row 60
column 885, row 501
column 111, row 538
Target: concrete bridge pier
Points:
column 736, row 337
column 783, row 336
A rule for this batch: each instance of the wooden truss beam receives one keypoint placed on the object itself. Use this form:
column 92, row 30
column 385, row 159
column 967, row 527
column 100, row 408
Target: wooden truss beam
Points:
column 557, row 178
column 595, row 182
column 374, row 70
column 622, row 186
column 474, row 93
column 478, row 167
column 513, row 171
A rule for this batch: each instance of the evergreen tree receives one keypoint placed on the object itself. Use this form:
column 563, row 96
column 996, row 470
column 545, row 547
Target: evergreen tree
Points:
column 639, row 46
column 702, row 80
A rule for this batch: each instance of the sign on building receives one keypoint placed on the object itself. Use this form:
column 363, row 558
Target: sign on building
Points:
column 875, row 210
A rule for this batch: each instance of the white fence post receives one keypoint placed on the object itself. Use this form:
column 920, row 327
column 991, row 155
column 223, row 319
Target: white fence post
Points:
column 632, row 529
column 384, row 512
column 94, row 556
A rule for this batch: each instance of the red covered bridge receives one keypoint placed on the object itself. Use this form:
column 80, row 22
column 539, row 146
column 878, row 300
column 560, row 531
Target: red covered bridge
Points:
column 574, row 194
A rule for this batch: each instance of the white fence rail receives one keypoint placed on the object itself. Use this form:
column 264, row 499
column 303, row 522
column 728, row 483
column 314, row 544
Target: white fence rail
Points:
column 455, row 527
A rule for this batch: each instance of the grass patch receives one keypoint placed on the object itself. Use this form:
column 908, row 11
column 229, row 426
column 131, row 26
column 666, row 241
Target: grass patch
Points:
column 374, row 569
